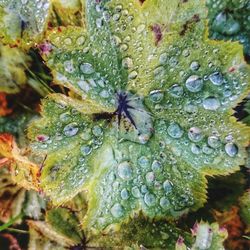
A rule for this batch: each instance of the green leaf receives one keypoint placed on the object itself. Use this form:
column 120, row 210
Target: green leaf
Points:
column 23, row 22
column 163, row 124
column 229, row 20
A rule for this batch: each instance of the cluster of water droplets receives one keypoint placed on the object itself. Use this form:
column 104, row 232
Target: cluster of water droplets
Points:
column 145, row 181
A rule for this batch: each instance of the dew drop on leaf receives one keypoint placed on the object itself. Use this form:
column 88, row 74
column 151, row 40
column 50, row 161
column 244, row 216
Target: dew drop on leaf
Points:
column 124, row 170
column 167, row 186
column 214, row 141
column 124, row 194
column 87, row 68
column 117, row 210
column 71, row 129
column 211, row 103
column 231, row 149
column 194, row 134
column 156, row 96
column 216, row 78
column 194, row 83
column 149, row 199
column 175, row 131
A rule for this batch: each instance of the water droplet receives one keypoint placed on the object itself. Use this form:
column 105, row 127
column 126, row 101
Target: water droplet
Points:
column 116, row 17
column 71, row 129
column 156, row 96
column 216, row 78
column 194, row 134
column 194, row 66
column 136, row 192
column 104, row 94
column 117, row 210
column 97, row 130
column 194, row 83
column 143, row 161
column 231, row 149
column 149, row 199
column 167, row 186
column 127, row 63
column 150, row 177
column 159, row 72
column 164, row 202
column 207, row 150
column 156, row 165
column 176, row 90
column 175, row 131
column 133, row 75
column 87, row 68
column 67, row 41
column 86, row 150
column 124, row 170
column 163, row 58
column 83, row 85
column 195, row 149
column 211, row 103
column 65, row 117
column 124, row 194
column 80, row 40
column 213, row 141
column 68, row 66
column 141, row 27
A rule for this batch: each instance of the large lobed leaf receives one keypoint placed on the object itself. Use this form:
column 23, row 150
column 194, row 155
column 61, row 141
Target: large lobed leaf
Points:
column 152, row 113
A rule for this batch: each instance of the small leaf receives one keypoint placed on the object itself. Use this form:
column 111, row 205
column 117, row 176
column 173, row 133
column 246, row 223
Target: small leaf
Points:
column 23, row 171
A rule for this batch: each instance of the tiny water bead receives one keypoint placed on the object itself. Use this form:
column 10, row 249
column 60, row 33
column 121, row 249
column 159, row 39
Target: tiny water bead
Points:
column 97, row 131
column 117, row 210
column 211, row 103
column 216, row 78
column 194, row 83
column 127, row 63
column 84, row 85
column 71, row 129
column 124, row 194
column 156, row 165
column 175, row 131
column 143, row 161
column 124, row 170
column 176, row 90
column 86, row 150
column 164, row 203
column 194, row 134
column 87, row 68
column 231, row 149
column 149, row 199
column 194, row 66
column 156, row 96
column 214, row 141
column 167, row 186
column 150, row 177
column 136, row 192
